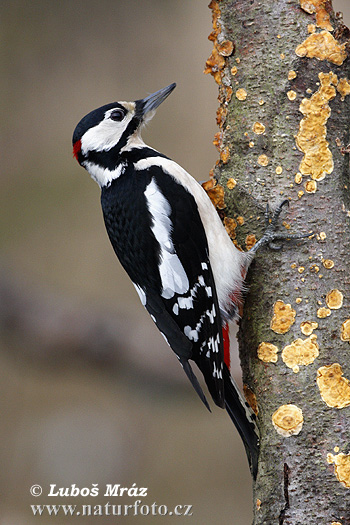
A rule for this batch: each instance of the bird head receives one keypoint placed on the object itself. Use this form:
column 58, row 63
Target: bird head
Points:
column 110, row 128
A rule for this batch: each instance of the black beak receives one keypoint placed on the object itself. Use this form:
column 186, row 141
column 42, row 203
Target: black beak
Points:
column 154, row 100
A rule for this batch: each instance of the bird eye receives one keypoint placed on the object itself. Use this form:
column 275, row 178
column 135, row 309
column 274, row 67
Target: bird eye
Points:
column 117, row 115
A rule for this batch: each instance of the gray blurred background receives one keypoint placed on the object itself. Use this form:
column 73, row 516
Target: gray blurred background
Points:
column 89, row 391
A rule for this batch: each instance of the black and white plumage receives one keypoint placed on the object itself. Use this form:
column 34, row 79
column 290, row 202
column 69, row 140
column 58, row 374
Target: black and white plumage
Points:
column 171, row 242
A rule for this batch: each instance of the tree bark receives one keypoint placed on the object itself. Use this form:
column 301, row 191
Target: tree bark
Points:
column 282, row 68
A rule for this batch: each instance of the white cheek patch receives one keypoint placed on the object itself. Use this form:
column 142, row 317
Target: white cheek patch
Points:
column 172, row 273
column 105, row 135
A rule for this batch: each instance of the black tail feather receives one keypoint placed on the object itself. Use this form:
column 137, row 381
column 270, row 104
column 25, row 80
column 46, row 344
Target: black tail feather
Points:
column 194, row 381
column 244, row 420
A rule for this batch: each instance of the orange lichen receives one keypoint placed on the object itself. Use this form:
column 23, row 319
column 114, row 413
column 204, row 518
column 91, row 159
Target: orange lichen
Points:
column 279, row 170
column 310, row 186
column 334, row 389
column 258, row 128
column 343, row 87
column 322, row 236
column 301, row 269
column 241, row 94
column 263, row 160
column 311, row 28
column 307, row 327
column 291, row 95
column 291, row 74
column 216, row 193
column 250, row 241
column 300, row 194
column 328, row 264
column 300, row 352
column 268, row 352
column 230, row 226
column 311, row 137
column 322, row 46
column 251, row 399
column 216, row 62
column 225, row 155
column 341, row 468
column 258, row 504
column 334, row 299
column 318, row 7
column 234, row 70
column 231, row 183
column 225, row 48
column 283, row 318
column 288, row 420
column 345, row 331
column 323, row 312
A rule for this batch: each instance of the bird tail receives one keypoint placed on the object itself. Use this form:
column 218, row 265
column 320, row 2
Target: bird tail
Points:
column 243, row 418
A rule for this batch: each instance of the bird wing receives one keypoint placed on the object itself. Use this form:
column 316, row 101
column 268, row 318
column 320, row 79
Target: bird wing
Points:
column 162, row 245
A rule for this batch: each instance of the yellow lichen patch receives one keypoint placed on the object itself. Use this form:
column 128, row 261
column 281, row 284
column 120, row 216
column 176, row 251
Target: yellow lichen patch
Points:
column 261, row 102
column 283, row 317
column 216, row 193
column 300, row 194
column 318, row 7
column 263, row 160
column 258, row 128
column 240, row 220
column 345, row 331
column 298, row 178
column 251, row 398
column 251, row 144
column 291, row 74
column 311, row 137
column 301, row 269
column 258, row 504
column 334, row 299
column 323, row 312
column 298, row 300
column 307, row 327
column 311, row 28
column 279, row 170
column 230, row 226
column 300, row 352
column 241, row 94
column 288, row 420
column 310, row 186
column 268, row 352
column 291, row 95
column 328, row 264
column 322, row 236
column 250, row 241
column 234, row 70
column 231, row 183
column 322, row 46
column 341, row 468
column 343, row 87
column 334, row 389
column 225, row 48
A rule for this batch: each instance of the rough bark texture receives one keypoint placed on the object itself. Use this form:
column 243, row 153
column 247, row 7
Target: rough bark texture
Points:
column 267, row 153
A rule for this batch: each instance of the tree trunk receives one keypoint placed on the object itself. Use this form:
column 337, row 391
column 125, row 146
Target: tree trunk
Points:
column 282, row 71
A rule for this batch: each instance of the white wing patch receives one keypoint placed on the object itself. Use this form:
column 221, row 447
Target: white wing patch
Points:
column 172, row 273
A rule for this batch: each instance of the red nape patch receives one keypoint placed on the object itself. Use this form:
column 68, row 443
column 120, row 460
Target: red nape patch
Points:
column 226, row 338
column 76, row 149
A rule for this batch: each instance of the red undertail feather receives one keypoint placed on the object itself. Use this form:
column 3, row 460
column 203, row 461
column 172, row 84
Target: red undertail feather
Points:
column 226, row 338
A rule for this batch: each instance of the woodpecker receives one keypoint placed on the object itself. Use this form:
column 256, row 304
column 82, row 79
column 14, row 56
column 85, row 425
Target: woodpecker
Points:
column 171, row 242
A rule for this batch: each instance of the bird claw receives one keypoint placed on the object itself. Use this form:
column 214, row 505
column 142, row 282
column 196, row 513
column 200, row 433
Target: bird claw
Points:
column 271, row 235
